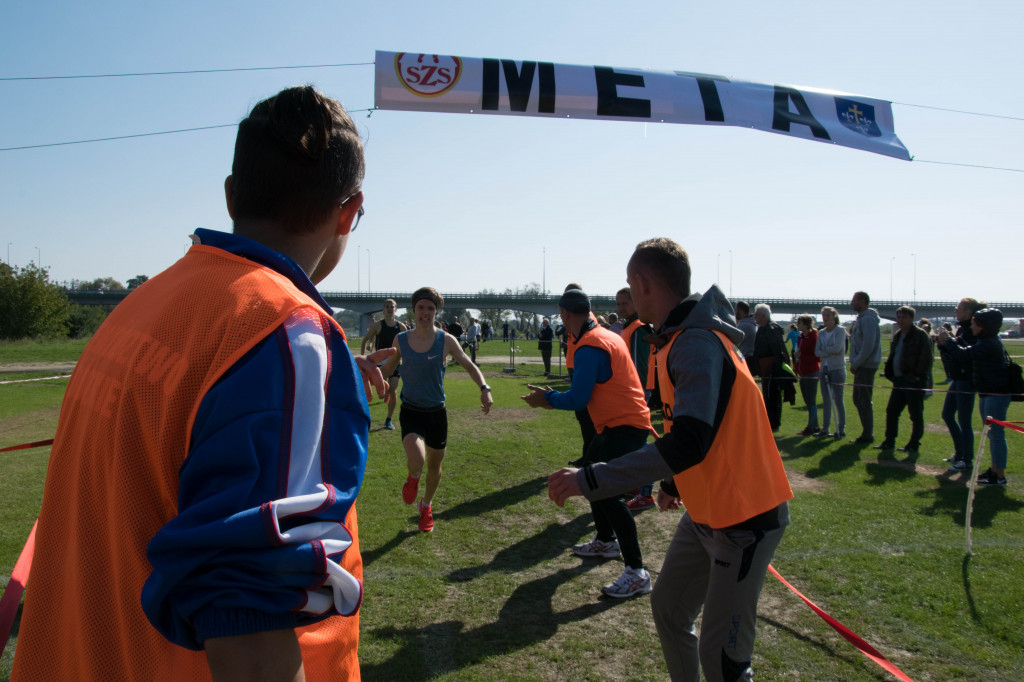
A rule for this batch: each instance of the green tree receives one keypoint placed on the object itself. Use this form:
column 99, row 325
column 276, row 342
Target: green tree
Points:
column 493, row 315
column 83, row 320
column 136, row 281
column 101, row 284
column 30, row 305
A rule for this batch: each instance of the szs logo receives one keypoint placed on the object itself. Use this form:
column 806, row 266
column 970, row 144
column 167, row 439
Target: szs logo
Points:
column 858, row 117
column 427, row 75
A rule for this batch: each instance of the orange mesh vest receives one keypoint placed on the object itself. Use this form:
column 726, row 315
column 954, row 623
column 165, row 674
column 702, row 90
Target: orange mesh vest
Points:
column 620, row 400
column 742, row 474
column 630, row 328
column 112, row 481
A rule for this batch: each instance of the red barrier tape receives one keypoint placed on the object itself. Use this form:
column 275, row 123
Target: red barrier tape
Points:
column 15, row 587
column 1009, row 425
column 25, row 446
column 864, row 647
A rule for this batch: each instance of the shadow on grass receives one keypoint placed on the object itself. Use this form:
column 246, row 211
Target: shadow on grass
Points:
column 499, row 499
column 839, row 459
column 950, row 499
column 526, row 618
column 846, row 653
column 371, row 555
column 965, row 572
column 550, row 543
column 888, row 469
column 799, row 447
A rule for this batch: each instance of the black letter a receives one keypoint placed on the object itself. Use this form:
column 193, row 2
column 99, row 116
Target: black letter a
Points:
column 783, row 117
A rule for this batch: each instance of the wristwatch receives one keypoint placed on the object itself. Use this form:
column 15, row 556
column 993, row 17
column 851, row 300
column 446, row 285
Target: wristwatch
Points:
column 484, row 387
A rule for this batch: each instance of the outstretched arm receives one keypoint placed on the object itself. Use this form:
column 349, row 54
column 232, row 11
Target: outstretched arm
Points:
column 370, row 338
column 452, row 346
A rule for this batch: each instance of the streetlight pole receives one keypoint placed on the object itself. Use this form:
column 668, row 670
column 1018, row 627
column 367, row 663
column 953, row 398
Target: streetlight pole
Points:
column 9, row 245
column 730, row 273
column 891, row 261
column 544, row 276
column 915, row 276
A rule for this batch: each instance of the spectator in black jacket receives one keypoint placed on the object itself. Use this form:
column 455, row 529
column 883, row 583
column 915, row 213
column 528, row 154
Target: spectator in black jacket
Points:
column 907, row 367
column 958, row 408
column 991, row 380
column 769, row 355
column 544, row 339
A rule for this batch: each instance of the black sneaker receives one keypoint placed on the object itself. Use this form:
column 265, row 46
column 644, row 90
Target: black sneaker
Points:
column 864, row 440
column 991, row 478
column 885, row 445
column 908, row 448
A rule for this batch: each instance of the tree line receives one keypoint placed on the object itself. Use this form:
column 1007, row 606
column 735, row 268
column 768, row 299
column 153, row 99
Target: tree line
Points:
column 31, row 306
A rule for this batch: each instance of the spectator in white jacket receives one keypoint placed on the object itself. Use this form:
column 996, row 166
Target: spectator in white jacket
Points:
column 831, row 348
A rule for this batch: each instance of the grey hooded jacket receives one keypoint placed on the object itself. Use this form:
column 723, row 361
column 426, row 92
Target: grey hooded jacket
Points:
column 865, row 341
column 697, row 360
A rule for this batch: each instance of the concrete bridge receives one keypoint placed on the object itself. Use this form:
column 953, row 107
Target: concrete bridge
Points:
column 367, row 304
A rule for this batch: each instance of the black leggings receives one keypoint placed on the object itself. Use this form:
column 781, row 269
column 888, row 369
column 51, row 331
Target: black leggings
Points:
column 612, row 517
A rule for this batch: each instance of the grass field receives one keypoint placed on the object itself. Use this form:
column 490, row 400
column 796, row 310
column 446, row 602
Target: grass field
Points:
column 494, row 594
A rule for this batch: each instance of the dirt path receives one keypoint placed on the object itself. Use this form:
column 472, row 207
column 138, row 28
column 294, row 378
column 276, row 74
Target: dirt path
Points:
column 56, row 367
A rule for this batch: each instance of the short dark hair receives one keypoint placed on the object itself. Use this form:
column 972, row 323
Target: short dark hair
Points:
column 863, row 296
column 667, row 261
column 906, row 310
column 430, row 294
column 572, row 285
column 297, row 156
column 626, row 291
column 744, row 306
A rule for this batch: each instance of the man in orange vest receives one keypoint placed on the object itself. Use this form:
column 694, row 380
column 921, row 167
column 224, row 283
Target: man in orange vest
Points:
column 198, row 519
column 605, row 384
column 719, row 459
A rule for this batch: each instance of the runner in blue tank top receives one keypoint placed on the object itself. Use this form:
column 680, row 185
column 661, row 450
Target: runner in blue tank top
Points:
column 424, row 420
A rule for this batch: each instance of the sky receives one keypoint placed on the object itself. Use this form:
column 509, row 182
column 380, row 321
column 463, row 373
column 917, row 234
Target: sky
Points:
column 465, row 203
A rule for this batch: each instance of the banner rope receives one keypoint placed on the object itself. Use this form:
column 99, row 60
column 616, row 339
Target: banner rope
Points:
column 847, row 634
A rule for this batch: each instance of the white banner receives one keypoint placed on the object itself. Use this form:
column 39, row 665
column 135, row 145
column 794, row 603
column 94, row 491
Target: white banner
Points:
column 410, row 81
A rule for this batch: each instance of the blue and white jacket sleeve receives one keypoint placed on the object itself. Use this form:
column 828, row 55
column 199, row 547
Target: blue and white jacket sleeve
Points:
column 591, row 365
column 277, row 456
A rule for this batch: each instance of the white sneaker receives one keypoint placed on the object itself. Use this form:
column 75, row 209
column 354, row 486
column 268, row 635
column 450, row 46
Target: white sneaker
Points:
column 630, row 583
column 608, row 550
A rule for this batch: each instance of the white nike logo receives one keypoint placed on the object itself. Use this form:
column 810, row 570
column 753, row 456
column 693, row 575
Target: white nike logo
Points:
column 431, row 357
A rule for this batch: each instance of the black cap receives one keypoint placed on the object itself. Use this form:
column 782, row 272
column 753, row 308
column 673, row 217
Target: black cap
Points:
column 575, row 301
column 990, row 318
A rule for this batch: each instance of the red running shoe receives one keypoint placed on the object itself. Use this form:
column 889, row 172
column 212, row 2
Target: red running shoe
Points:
column 426, row 519
column 409, row 489
column 641, row 502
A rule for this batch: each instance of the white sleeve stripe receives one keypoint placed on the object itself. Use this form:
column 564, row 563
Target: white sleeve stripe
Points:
column 309, row 352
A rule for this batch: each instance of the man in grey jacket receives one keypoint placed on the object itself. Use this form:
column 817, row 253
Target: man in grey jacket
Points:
column 720, row 461
column 865, row 356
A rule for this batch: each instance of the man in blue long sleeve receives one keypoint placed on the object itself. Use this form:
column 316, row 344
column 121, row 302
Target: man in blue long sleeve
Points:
column 605, row 383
